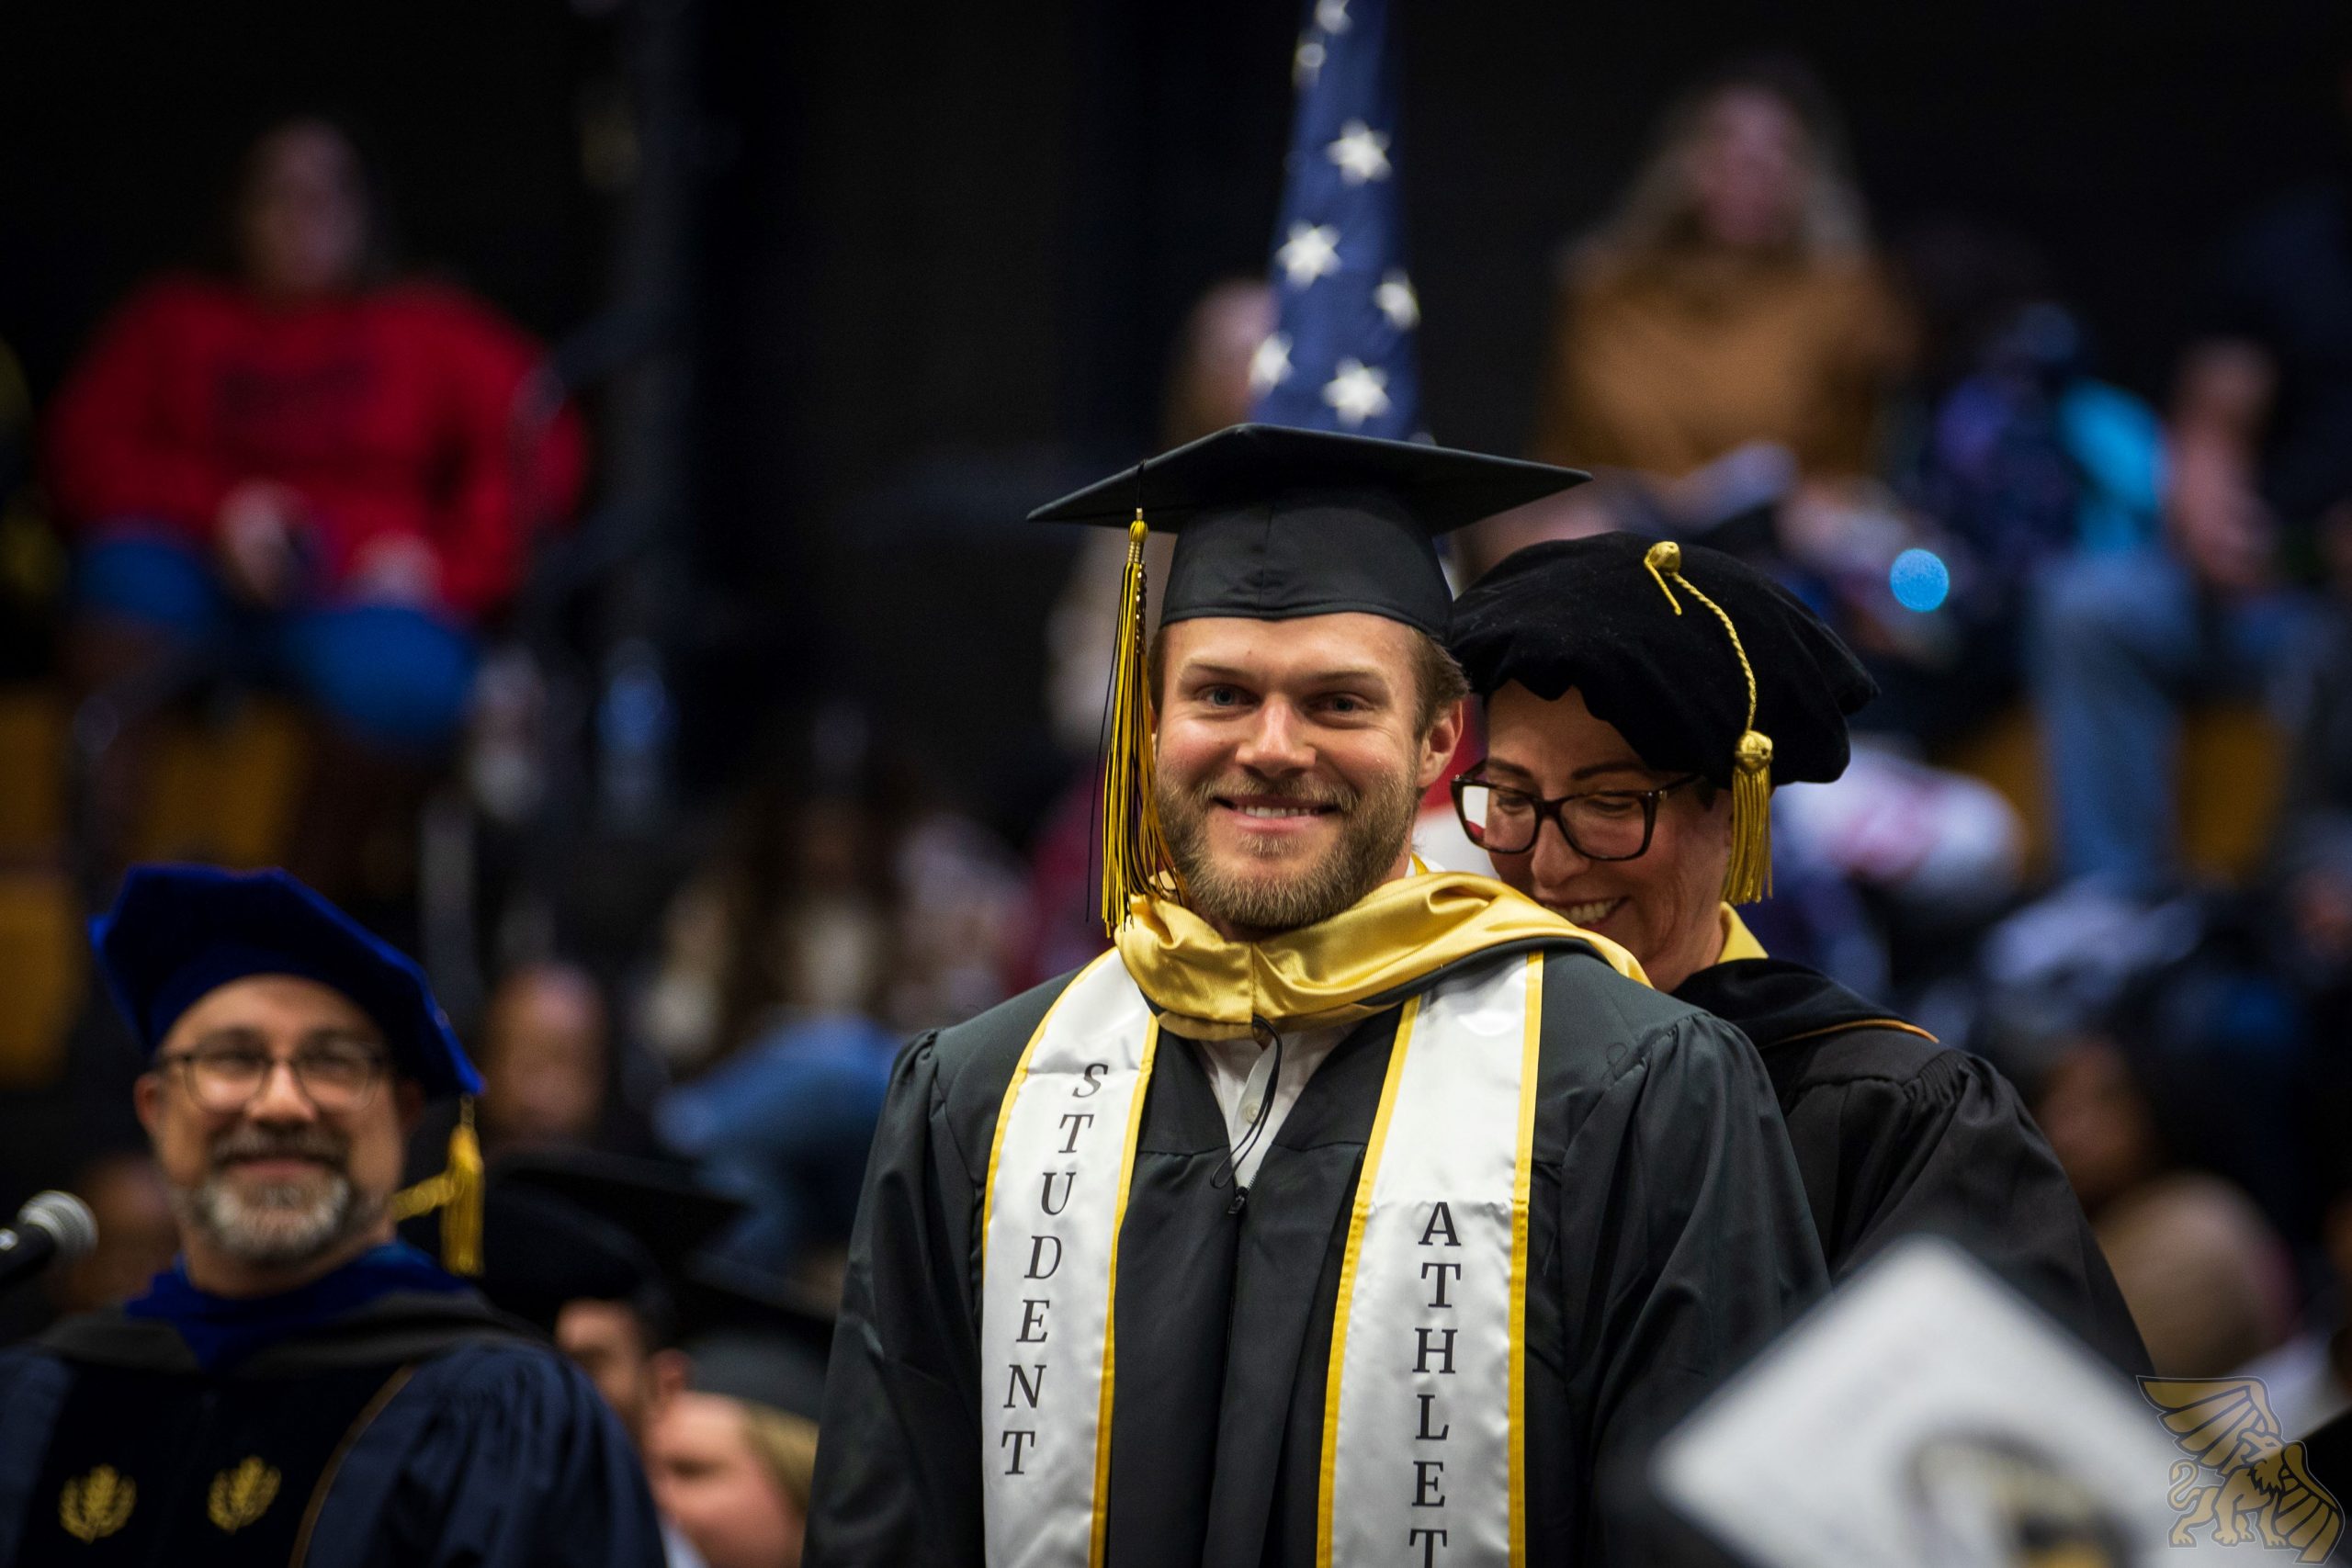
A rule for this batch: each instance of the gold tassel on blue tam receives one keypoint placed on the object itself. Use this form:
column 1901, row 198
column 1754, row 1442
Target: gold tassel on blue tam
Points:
column 1749, row 876
column 456, row 1192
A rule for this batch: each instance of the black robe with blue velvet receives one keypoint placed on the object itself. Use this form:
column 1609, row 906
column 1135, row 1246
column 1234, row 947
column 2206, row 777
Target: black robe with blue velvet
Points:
column 419, row 1429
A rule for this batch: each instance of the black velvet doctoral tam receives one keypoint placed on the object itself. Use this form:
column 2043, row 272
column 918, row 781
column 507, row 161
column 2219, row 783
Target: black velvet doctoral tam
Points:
column 1587, row 615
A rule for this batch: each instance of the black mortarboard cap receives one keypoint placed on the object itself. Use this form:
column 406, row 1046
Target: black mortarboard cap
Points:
column 1273, row 523
column 178, row 932
column 1693, row 656
column 755, row 1338
column 566, row 1225
column 541, row 1253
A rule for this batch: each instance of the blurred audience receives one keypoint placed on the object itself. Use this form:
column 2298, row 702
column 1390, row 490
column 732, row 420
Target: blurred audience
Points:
column 1731, row 309
column 545, row 1063
column 551, row 1072
column 306, row 472
column 136, row 1235
column 2259, row 515
column 2014, row 457
column 2208, row 1280
column 828, row 926
column 31, row 565
column 786, row 1126
column 733, row 1476
column 2307, row 886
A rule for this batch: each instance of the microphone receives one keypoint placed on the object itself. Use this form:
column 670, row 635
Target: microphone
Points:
column 51, row 1227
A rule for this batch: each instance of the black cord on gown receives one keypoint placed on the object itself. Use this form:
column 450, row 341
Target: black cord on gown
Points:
column 1228, row 1173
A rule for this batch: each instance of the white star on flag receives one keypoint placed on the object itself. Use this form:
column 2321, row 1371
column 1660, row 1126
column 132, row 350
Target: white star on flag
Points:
column 1307, row 63
column 1361, row 152
column 1397, row 301
column 1358, row 392
column 1311, row 252
column 1269, row 365
column 1331, row 15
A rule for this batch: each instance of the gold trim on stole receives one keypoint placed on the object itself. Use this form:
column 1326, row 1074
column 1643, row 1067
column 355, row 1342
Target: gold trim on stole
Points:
column 1111, row 1310
column 1522, row 1186
column 1359, row 1214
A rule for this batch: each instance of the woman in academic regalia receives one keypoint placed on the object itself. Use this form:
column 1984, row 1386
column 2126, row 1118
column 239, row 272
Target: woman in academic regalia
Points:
column 1640, row 701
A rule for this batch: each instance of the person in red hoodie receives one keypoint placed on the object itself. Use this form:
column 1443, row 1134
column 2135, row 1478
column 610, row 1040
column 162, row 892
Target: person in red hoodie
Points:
column 308, row 471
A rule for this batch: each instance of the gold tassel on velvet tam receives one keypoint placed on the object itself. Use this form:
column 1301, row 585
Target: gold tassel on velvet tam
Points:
column 1749, row 876
column 1135, row 854
column 461, row 1208
column 456, row 1191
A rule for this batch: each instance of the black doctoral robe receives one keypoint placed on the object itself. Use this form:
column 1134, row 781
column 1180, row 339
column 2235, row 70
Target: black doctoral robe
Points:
column 1897, row 1134
column 415, row 1432
column 1670, row 1241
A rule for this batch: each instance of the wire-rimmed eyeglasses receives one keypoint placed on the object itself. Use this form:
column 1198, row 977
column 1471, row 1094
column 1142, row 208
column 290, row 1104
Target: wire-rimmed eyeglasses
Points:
column 225, row 1078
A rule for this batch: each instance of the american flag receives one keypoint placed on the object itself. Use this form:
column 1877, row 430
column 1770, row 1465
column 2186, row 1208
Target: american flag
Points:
column 1340, row 356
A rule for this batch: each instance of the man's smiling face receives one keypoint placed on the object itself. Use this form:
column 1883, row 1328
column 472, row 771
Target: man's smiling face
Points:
column 279, row 1181
column 1292, row 756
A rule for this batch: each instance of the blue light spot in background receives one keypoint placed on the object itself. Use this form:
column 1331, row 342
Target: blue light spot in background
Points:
column 1920, row 581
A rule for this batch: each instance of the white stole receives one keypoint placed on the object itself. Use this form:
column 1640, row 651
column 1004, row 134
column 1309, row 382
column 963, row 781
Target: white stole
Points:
column 1423, row 1448
column 1058, row 1188
column 1423, row 1458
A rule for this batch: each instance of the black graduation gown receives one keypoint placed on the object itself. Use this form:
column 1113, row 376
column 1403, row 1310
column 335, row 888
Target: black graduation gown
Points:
column 1668, row 1239
column 1897, row 1134
column 420, row 1429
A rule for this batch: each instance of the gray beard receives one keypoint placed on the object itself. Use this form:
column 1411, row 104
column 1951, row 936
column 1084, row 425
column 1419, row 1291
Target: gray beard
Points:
column 1375, row 829
column 279, row 1224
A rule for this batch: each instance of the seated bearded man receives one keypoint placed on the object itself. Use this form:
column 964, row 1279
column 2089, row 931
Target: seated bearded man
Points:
column 1641, row 700
column 1344, row 1211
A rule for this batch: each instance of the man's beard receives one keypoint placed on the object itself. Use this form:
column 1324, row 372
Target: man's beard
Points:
column 1375, row 827
column 276, row 1224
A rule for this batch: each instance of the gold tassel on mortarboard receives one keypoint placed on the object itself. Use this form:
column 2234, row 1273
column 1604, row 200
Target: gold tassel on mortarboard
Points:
column 1134, row 855
column 456, row 1192
column 1749, row 876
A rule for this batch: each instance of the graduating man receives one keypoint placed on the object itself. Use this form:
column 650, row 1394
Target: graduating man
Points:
column 1640, row 701
column 1345, row 1211
column 301, row 1387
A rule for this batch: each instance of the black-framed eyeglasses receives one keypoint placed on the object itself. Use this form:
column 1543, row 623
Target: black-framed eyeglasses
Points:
column 1601, row 824
column 334, row 1076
